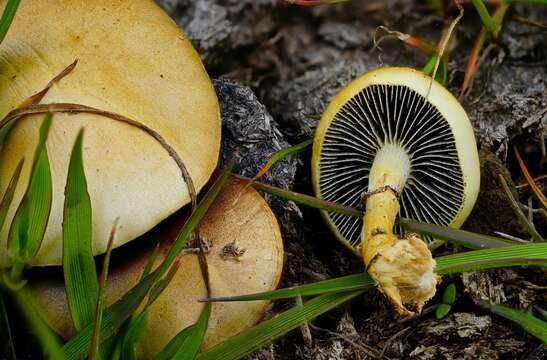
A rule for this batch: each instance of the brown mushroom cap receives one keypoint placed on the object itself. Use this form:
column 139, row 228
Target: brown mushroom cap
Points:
column 250, row 223
column 132, row 60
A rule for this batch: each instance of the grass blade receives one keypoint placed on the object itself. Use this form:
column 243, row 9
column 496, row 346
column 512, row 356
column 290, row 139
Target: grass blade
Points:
column 192, row 341
column 134, row 332
column 99, row 309
column 281, row 154
column 518, row 255
column 488, row 22
column 10, row 191
column 464, row 238
column 79, row 271
column 442, row 74
column 30, row 221
column 7, row 17
column 119, row 312
column 523, row 220
column 176, row 343
column 6, row 345
column 528, row 322
column 304, row 199
column 48, row 340
column 458, row 237
column 264, row 333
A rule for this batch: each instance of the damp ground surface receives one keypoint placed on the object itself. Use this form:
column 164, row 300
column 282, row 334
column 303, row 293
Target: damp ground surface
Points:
column 294, row 60
column 275, row 67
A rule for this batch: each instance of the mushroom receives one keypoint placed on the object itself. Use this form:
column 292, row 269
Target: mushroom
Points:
column 246, row 256
column 395, row 141
column 134, row 61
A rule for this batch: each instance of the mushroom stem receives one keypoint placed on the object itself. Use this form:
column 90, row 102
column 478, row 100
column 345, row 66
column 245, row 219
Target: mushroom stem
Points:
column 402, row 266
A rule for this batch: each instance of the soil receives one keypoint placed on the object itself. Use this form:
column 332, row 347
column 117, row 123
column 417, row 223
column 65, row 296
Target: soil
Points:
column 295, row 59
column 276, row 67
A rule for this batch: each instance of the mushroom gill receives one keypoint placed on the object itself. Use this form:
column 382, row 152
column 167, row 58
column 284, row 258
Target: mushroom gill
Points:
column 395, row 142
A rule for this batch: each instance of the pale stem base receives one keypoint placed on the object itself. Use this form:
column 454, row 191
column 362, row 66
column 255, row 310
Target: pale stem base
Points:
column 402, row 266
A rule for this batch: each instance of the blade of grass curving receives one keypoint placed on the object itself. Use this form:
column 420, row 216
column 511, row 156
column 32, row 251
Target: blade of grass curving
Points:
column 151, row 261
column 458, row 237
column 47, row 338
column 535, row 188
column 119, row 312
column 303, row 199
column 528, row 322
column 191, row 343
column 80, row 274
column 264, row 333
column 133, row 328
column 488, row 22
column 281, row 154
column 6, row 345
column 176, row 343
column 10, row 191
column 30, row 220
column 133, row 334
column 99, row 308
column 277, row 156
column 523, row 220
column 7, row 17
column 464, row 238
column 517, row 255
column 442, row 73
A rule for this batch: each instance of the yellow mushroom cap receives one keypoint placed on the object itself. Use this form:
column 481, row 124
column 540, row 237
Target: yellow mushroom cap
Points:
column 134, row 61
column 420, row 121
column 248, row 225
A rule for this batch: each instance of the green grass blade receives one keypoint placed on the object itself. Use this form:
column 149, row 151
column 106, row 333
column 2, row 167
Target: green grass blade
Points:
column 95, row 342
column 119, row 312
column 459, row 237
column 355, row 282
column 6, row 343
column 442, row 73
column 193, row 339
column 264, row 333
column 134, row 332
column 464, row 238
column 10, row 191
column 79, row 270
column 523, row 220
column 48, row 340
column 528, row 322
column 517, row 255
column 281, row 154
column 30, row 221
column 488, row 22
column 176, row 343
column 7, row 17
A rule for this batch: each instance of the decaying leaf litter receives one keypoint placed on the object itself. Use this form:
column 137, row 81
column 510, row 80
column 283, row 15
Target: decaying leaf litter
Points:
column 295, row 60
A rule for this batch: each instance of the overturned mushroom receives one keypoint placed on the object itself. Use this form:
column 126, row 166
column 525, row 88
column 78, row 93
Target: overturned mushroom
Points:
column 250, row 223
column 133, row 61
column 396, row 141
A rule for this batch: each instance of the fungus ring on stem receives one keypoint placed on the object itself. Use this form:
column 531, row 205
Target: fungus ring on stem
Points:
column 395, row 132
